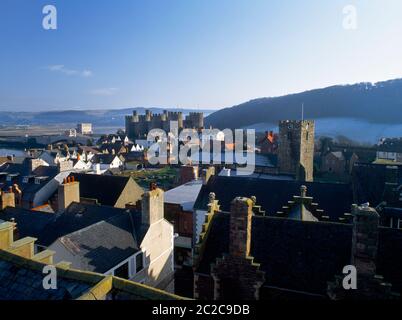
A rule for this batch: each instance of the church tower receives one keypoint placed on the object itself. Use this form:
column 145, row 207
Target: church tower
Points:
column 296, row 148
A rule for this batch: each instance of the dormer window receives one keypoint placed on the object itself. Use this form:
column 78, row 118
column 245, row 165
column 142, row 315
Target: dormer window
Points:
column 39, row 180
column 12, row 176
column 25, row 180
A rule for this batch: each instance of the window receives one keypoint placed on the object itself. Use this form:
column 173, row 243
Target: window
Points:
column 122, row 271
column 139, row 262
column 399, row 223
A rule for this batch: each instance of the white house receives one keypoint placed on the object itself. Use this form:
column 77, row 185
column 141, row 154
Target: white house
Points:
column 133, row 245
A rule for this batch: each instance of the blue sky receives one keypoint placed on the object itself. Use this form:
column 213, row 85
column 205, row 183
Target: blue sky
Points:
column 189, row 53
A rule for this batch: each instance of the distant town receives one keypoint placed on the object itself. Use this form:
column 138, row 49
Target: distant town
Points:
column 201, row 230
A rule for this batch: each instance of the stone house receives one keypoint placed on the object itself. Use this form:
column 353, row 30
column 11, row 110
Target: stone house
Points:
column 103, row 162
column 390, row 150
column 246, row 255
column 338, row 162
column 269, row 143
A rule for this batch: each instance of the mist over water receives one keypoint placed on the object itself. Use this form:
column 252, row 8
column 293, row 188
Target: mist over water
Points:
column 9, row 152
column 355, row 129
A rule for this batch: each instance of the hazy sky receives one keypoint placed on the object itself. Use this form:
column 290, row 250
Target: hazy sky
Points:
column 189, row 53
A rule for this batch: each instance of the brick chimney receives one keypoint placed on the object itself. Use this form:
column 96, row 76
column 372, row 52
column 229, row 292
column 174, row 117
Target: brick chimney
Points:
column 7, row 199
column 6, row 234
column 152, row 206
column 236, row 276
column 270, row 136
column 188, row 173
column 370, row 285
column 207, row 174
column 18, row 194
column 365, row 240
column 241, row 211
column 69, row 191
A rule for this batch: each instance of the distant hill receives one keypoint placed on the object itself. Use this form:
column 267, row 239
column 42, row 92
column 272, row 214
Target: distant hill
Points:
column 111, row 117
column 374, row 103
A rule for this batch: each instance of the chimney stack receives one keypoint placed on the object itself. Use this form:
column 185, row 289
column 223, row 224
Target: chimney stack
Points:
column 68, row 192
column 207, row 174
column 365, row 240
column 152, row 204
column 7, row 199
column 241, row 211
column 188, row 173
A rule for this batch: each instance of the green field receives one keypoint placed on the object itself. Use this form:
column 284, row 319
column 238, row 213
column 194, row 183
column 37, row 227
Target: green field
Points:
column 165, row 178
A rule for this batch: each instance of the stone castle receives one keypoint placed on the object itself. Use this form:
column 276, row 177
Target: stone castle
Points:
column 138, row 126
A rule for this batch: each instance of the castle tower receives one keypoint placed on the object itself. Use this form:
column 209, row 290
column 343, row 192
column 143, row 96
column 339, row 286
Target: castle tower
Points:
column 296, row 148
column 148, row 115
column 135, row 117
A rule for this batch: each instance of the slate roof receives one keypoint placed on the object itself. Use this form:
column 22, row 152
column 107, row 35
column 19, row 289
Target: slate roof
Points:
column 301, row 255
column 77, row 216
column 185, row 195
column 88, row 149
column 19, row 282
column 29, row 223
column 103, row 245
column 103, row 158
column 300, row 212
column 48, row 227
column 22, row 169
column 369, row 182
column 49, row 171
column 391, row 145
column 105, row 188
column 261, row 160
column 10, row 167
column 22, row 279
column 272, row 194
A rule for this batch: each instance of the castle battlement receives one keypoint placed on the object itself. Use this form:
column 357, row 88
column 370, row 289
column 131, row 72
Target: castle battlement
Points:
column 138, row 126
